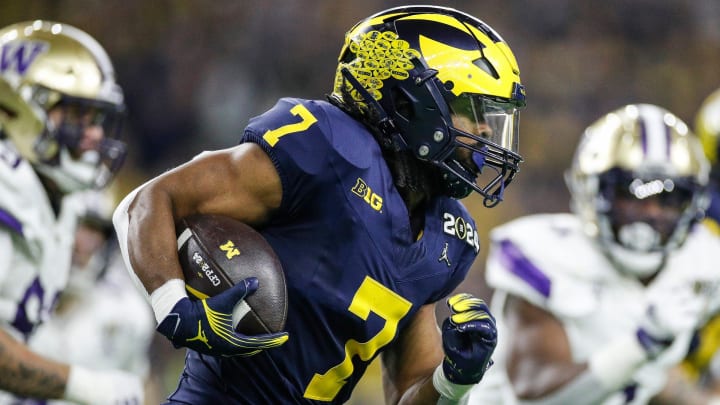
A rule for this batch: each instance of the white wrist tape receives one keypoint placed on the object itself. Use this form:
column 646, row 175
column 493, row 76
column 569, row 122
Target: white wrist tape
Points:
column 447, row 389
column 81, row 385
column 614, row 364
column 166, row 296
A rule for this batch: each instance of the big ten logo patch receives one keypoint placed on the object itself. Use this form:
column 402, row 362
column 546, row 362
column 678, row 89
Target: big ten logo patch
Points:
column 462, row 229
column 361, row 189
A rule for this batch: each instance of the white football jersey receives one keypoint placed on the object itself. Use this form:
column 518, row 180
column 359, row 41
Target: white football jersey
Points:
column 107, row 326
column 548, row 261
column 35, row 246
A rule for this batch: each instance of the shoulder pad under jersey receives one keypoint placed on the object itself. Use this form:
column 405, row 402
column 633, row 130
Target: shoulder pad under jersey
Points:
column 310, row 142
column 547, row 260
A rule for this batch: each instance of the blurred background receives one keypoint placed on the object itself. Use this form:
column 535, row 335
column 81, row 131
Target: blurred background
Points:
column 193, row 72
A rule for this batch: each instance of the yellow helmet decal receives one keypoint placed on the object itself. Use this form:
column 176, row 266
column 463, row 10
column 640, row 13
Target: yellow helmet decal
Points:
column 379, row 56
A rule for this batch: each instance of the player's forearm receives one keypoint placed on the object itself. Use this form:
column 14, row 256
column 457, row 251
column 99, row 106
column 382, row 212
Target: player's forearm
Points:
column 607, row 371
column 680, row 390
column 145, row 226
column 27, row 374
column 435, row 389
column 422, row 392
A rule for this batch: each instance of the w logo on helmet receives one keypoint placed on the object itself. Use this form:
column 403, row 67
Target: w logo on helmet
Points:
column 18, row 56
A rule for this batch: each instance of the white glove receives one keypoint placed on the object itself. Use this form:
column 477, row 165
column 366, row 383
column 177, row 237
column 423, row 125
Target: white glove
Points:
column 670, row 311
column 103, row 387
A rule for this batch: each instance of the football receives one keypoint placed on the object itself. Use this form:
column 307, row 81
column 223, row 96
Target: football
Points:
column 216, row 252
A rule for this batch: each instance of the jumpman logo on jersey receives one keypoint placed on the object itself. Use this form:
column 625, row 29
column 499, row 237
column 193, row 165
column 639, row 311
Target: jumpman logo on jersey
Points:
column 444, row 255
column 201, row 336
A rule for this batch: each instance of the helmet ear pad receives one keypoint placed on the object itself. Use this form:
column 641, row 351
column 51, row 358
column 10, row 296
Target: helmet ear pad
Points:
column 421, row 116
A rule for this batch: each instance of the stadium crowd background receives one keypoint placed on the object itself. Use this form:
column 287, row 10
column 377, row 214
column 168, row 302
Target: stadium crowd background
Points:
column 193, row 72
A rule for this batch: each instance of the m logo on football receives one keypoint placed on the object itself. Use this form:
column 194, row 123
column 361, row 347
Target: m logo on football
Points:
column 229, row 249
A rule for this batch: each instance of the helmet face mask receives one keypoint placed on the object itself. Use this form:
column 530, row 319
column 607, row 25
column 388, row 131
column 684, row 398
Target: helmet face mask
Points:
column 86, row 132
column 638, row 183
column 62, row 107
column 434, row 81
column 656, row 202
column 485, row 137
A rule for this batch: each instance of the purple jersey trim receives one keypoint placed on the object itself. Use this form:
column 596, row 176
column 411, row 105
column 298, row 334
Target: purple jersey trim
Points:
column 521, row 266
column 10, row 221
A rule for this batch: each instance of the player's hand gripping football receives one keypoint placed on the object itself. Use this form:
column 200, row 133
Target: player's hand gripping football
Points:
column 469, row 338
column 206, row 325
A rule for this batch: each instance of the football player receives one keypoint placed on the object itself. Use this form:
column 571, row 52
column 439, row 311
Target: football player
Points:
column 601, row 305
column 100, row 320
column 59, row 110
column 703, row 365
column 707, row 126
column 359, row 196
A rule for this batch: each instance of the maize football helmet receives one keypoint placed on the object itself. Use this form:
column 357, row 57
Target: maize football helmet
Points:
column 441, row 84
column 49, row 67
column 707, row 126
column 639, row 154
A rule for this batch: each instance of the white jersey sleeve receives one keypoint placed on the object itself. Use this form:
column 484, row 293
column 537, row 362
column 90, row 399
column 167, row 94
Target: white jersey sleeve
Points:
column 548, row 261
column 37, row 245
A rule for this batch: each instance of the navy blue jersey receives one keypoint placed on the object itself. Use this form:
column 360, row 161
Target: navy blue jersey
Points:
column 355, row 274
column 713, row 211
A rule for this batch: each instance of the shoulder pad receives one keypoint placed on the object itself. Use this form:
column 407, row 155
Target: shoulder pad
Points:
column 548, row 261
column 7, row 220
column 310, row 142
column 313, row 132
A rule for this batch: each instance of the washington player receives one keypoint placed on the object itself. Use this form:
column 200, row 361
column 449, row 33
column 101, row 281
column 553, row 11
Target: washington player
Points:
column 59, row 106
column 359, row 198
column 601, row 306
column 101, row 320
column 703, row 365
